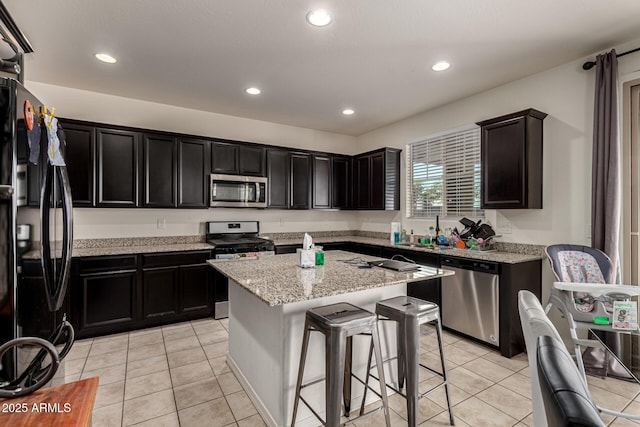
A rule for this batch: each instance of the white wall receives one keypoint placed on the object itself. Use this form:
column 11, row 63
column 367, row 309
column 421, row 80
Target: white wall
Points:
column 92, row 223
column 565, row 93
column 99, row 107
column 103, row 223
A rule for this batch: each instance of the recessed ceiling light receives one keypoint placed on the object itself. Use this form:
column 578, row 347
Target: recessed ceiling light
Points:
column 319, row 18
column 106, row 58
column 348, row 112
column 440, row 66
column 253, row 91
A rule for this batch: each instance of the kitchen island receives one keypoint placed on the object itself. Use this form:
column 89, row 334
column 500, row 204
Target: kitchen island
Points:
column 268, row 298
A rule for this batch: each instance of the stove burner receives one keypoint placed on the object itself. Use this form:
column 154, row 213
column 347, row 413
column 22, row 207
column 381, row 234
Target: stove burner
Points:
column 237, row 241
column 239, row 237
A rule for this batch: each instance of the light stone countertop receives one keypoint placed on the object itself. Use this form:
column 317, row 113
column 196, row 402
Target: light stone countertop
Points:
column 277, row 280
column 126, row 246
column 495, row 256
column 126, row 250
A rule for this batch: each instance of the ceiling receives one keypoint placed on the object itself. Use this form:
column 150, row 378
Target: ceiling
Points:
column 375, row 57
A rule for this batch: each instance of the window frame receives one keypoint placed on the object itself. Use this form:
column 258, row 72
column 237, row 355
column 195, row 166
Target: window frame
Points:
column 469, row 134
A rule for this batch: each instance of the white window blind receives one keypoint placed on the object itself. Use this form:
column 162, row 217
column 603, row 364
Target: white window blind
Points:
column 443, row 173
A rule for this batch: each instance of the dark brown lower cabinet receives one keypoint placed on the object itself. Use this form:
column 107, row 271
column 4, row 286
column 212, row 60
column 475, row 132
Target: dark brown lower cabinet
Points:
column 195, row 289
column 113, row 294
column 513, row 278
column 109, row 299
column 160, row 287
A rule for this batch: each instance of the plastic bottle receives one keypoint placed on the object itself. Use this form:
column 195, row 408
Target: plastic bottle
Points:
column 411, row 238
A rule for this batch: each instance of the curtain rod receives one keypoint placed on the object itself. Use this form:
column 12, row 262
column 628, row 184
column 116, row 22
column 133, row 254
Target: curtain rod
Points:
column 590, row 64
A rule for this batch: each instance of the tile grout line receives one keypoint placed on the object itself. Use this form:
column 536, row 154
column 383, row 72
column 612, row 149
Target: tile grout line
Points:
column 124, row 390
column 173, row 391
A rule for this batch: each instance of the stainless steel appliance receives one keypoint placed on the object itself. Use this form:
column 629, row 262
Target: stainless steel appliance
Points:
column 231, row 240
column 470, row 303
column 25, row 141
column 21, row 184
column 23, row 238
column 238, row 191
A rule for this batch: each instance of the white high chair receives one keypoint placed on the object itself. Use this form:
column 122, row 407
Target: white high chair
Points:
column 584, row 291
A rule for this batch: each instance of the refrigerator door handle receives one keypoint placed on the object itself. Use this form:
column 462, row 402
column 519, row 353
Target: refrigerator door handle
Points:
column 56, row 284
column 6, row 243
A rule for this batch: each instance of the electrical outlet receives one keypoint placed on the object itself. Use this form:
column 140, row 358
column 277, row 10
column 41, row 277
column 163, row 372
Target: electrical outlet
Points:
column 281, row 222
column 161, row 223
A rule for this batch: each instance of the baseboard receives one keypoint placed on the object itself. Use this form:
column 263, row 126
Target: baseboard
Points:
column 262, row 409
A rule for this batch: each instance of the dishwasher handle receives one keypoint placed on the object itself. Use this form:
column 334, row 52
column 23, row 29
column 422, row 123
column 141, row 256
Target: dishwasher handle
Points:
column 471, row 264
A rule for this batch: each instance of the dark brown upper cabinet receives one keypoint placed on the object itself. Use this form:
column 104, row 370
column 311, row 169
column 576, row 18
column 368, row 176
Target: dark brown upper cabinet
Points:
column 300, row 181
column 117, row 168
column 224, row 158
column 159, row 171
column 376, row 183
column 511, row 161
column 79, row 157
column 340, row 182
column 237, row 159
column 193, row 173
column 278, row 175
column 114, row 166
column 251, row 160
column 322, row 178
column 361, row 184
column 289, row 176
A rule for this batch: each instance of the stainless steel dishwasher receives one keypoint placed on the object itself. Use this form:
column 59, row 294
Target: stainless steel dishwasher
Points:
column 470, row 301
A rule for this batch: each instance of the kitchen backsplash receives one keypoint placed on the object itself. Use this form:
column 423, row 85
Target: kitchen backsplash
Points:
column 315, row 234
column 516, row 248
column 136, row 241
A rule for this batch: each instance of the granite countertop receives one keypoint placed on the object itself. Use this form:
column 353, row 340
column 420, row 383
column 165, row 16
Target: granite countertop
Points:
column 277, row 280
column 495, row 256
column 135, row 248
column 508, row 253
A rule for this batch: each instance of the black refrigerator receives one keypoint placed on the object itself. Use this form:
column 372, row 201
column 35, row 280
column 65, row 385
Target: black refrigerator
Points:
column 32, row 173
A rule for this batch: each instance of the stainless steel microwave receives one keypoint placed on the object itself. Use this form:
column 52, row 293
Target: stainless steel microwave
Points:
column 234, row 191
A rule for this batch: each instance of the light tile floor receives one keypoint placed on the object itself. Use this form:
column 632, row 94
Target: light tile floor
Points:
column 177, row 375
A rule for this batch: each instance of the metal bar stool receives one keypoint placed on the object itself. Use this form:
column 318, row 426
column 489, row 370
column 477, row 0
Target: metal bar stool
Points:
column 409, row 313
column 339, row 322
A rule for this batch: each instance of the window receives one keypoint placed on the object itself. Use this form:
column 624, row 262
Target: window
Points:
column 443, row 175
column 630, row 254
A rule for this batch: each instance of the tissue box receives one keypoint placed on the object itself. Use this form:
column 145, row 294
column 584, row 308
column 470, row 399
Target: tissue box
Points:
column 306, row 258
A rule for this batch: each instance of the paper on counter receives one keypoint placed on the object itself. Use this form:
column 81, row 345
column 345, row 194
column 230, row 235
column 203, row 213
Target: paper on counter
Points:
column 307, row 242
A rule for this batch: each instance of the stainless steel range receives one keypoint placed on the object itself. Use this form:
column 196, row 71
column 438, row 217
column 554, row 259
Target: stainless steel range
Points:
column 232, row 240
